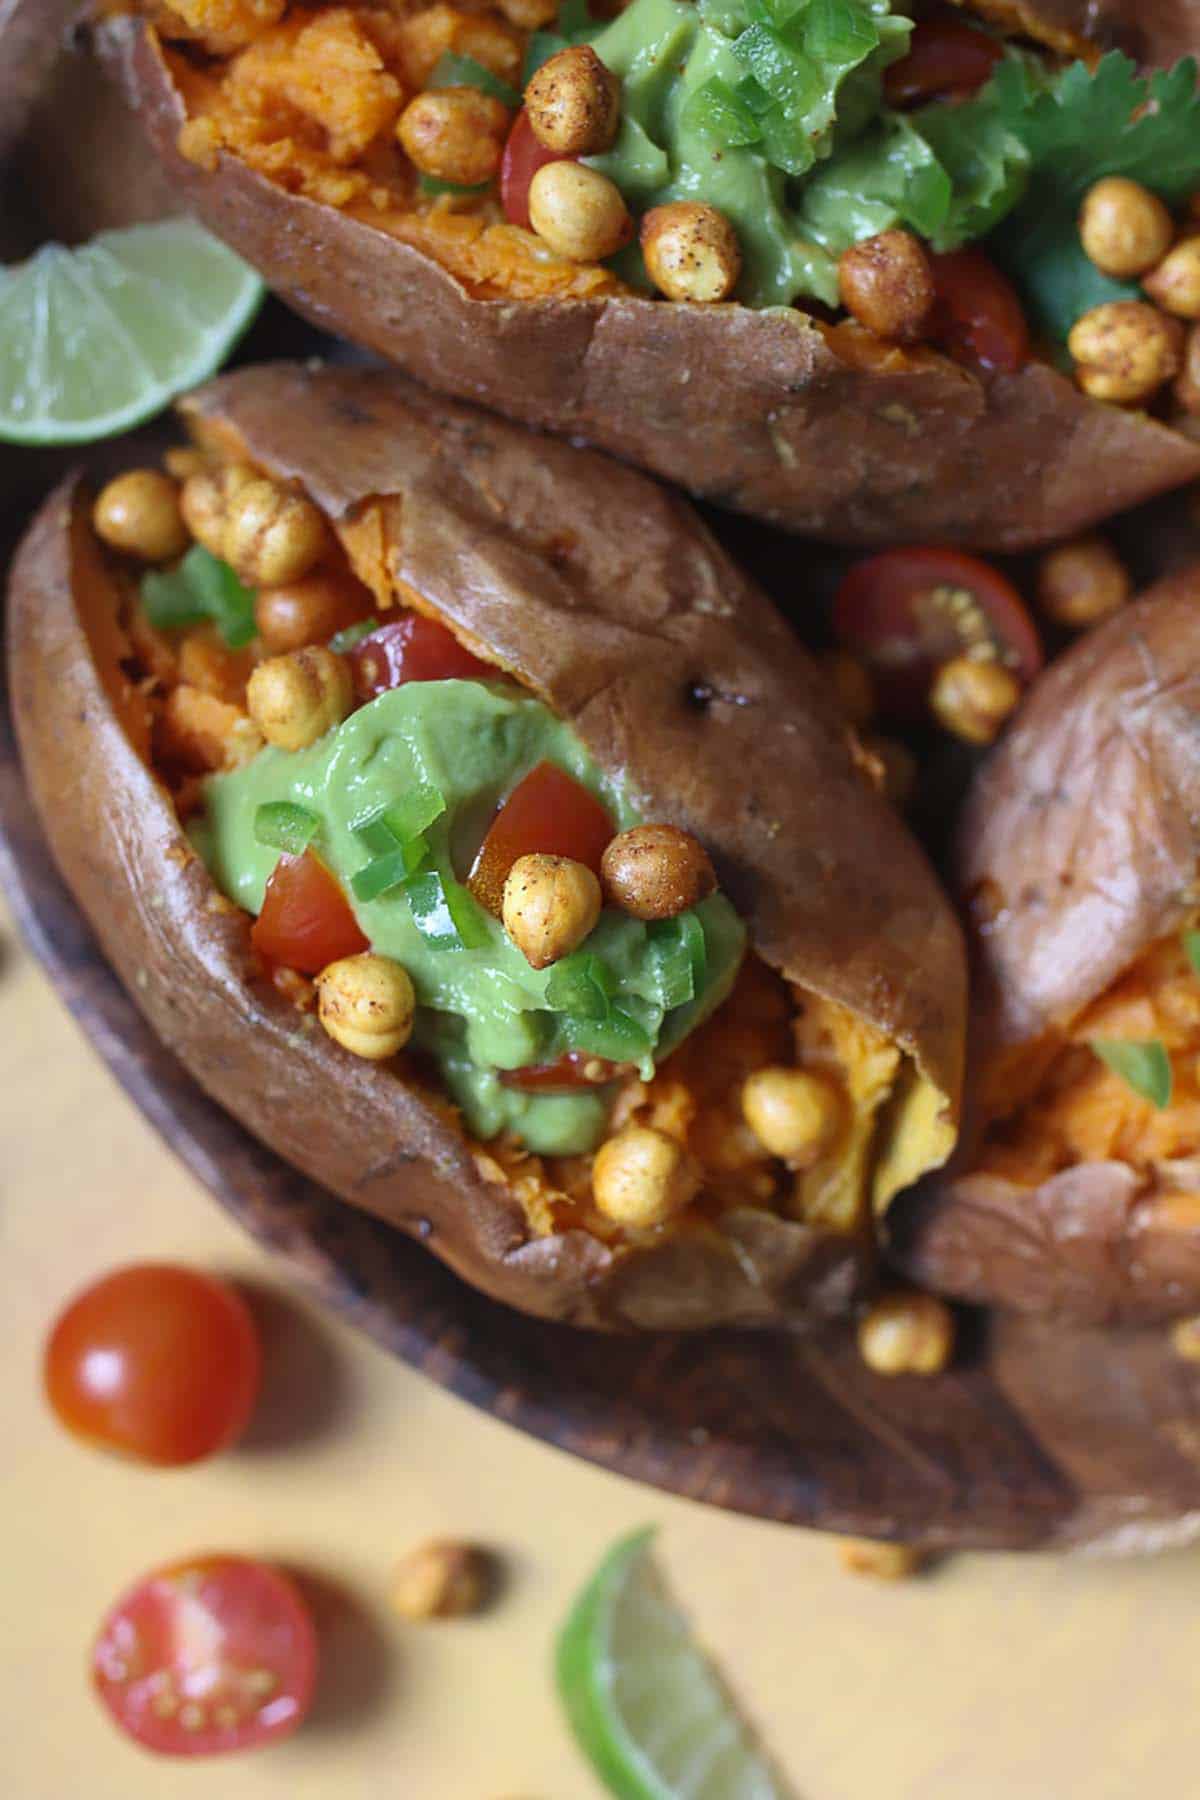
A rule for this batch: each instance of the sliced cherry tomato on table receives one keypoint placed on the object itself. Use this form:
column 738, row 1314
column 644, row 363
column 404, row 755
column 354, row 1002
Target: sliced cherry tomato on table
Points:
column 411, row 648
column 906, row 612
column 574, row 1069
column 158, row 1362
column 217, row 1653
column 548, row 812
column 523, row 157
column 977, row 317
column 946, row 58
column 306, row 922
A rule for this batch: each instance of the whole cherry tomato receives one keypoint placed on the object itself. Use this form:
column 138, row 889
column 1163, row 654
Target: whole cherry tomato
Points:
column 549, row 811
column 306, row 922
column 216, row 1653
column 977, row 317
column 574, row 1069
column 523, row 157
column 906, row 612
column 946, row 57
column 158, row 1362
column 411, row 648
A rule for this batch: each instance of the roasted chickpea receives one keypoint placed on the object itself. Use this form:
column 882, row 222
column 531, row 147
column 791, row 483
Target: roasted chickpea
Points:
column 886, row 1562
column 182, row 460
column 1175, row 284
column 295, row 699
column 204, row 501
column 886, row 283
column 691, row 252
column 550, row 905
column 1082, row 582
column 442, row 1580
column 366, row 1004
column 1123, row 227
column 1185, row 1339
column 139, row 514
column 641, row 1177
column 578, row 211
column 1125, row 350
column 907, row 1333
column 656, row 871
column 852, row 686
column 311, row 610
column 455, row 134
column 972, row 699
column 271, row 534
column 574, row 103
column 793, row 1114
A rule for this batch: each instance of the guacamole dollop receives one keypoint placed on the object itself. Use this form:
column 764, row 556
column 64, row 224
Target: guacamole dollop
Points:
column 481, row 1010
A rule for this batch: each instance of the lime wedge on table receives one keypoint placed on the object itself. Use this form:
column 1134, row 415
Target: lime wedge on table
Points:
column 644, row 1703
column 95, row 340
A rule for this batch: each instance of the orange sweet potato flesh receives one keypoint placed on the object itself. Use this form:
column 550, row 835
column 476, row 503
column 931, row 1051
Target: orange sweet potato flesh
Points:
column 603, row 593
column 1079, row 865
column 825, row 431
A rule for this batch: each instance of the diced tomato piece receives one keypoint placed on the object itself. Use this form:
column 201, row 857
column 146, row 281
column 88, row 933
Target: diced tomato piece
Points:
column 523, row 157
column 548, row 812
column 306, row 922
column 977, row 316
column 411, row 648
column 946, row 57
column 574, row 1069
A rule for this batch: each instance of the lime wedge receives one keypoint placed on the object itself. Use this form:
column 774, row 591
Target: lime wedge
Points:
column 646, row 1706
column 94, row 340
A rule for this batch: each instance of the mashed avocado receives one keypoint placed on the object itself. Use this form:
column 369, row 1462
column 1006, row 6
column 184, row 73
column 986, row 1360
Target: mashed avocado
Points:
column 481, row 1010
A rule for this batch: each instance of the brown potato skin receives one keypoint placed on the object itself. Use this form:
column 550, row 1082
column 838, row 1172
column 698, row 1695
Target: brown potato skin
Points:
column 610, row 599
column 1079, row 848
column 755, row 410
column 1155, row 34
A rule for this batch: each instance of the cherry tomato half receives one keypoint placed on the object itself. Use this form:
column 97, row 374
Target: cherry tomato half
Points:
column 158, row 1362
column 574, row 1069
column 549, row 811
column 523, row 157
column 216, row 1653
column 945, row 57
column 905, row 612
column 977, row 317
column 306, row 922
column 411, row 648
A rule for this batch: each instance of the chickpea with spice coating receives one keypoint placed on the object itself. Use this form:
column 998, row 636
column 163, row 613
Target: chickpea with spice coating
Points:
column 907, row 1333
column 139, row 514
column 574, row 103
column 295, row 699
column 455, row 134
column 1123, row 227
column 271, row 534
column 885, row 1562
column 886, row 283
column 578, row 212
column 311, row 610
column 793, row 1114
column 972, row 699
column 204, row 501
column 691, row 252
column 1175, row 284
column 656, row 871
column 1081, row 582
column 1124, row 350
column 551, row 904
column 641, row 1178
column 366, row 1003
column 442, row 1580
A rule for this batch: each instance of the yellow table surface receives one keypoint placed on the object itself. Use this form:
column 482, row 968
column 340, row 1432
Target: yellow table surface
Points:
column 994, row 1677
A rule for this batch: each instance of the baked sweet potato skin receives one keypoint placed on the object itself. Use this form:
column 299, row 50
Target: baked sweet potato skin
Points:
column 1079, row 848
column 753, row 409
column 1155, row 33
column 608, row 597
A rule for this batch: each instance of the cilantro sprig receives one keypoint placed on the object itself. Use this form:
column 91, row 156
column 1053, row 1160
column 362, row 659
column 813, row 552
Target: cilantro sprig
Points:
column 1144, row 1067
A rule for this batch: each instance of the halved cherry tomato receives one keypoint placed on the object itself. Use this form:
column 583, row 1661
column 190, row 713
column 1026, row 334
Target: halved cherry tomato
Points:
column 411, row 648
column 977, row 316
column 158, row 1362
column 523, row 157
column 574, row 1069
column 946, row 57
column 217, row 1653
column 549, row 811
column 306, row 922
column 905, row 612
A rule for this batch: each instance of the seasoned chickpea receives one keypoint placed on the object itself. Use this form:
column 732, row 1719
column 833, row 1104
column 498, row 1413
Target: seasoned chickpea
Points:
column 641, row 1177
column 205, row 498
column 311, row 610
column 295, row 699
column 907, row 1333
column 793, row 1114
column 1175, row 284
column 574, row 103
column 455, row 134
column 1125, row 350
column 852, row 686
column 1082, row 582
column 183, row 460
column 656, row 871
column 1185, row 1339
column 886, row 1562
column 691, row 251
column 272, row 535
column 442, row 1580
column 366, row 1004
column 1123, row 227
column 886, row 283
column 578, row 211
column 972, row 699
column 550, row 905
column 139, row 514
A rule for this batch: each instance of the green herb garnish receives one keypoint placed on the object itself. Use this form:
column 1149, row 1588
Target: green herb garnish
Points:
column 1146, row 1068
column 282, row 825
column 199, row 588
column 433, row 184
column 453, row 70
column 1191, row 945
column 341, row 641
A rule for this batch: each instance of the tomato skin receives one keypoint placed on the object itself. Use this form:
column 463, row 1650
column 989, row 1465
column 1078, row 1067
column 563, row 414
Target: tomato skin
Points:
column 574, row 1069
column 523, row 157
column 157, row 1362
column 977, row 317
column 412, row 648
column 548, row 811
column 902, row 613
column 213, row 1654
column 306, row 922
column 946, row 57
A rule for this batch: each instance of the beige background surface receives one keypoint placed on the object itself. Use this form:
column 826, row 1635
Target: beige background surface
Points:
column 993, row 1678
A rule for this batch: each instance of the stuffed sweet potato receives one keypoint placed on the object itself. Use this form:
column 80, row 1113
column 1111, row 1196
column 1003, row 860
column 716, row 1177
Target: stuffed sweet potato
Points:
column 366, row 159
column 1077, row 1190
column 599, row 1105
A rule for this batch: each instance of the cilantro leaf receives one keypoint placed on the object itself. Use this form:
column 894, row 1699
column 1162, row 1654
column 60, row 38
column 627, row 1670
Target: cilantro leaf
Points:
column 1146, row 1068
